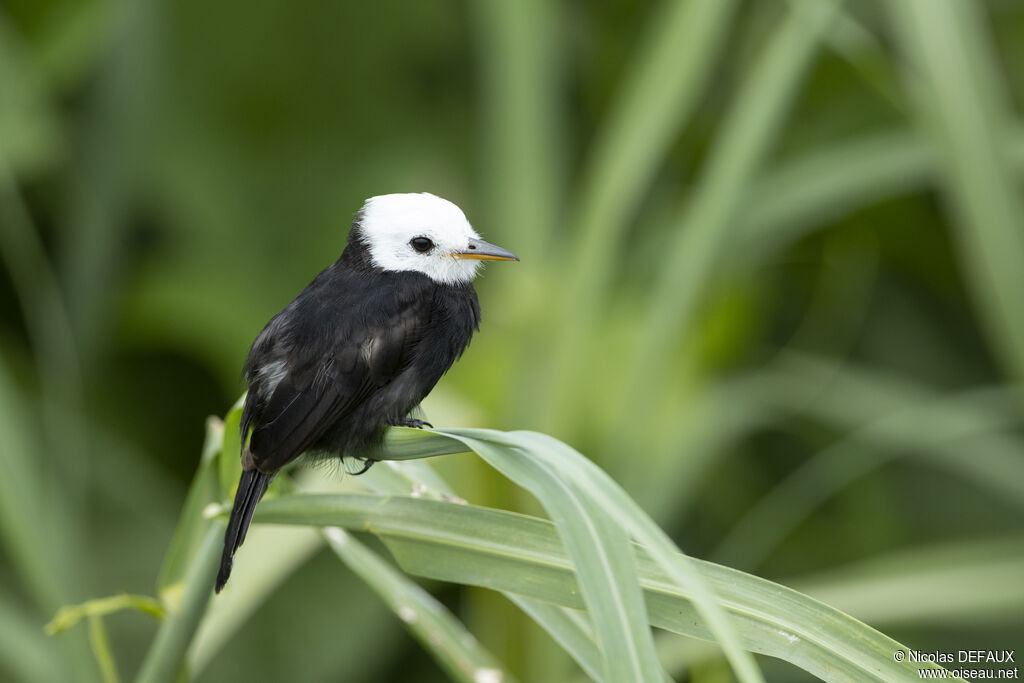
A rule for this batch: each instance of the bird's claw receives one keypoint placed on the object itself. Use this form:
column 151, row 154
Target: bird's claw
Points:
column 415, row 423
column 367, row 464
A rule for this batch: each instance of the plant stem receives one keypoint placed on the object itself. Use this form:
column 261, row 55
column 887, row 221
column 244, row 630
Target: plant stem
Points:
column 166, row 656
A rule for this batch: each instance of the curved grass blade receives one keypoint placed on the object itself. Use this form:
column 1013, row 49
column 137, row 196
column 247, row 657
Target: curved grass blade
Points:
column 978, row 579
column 656, row 101
column 600, row 550
column 520, row 554
column 937, row 429
column 283, row 550
column 570, row 628
column 276, row 553
column 639, row 525
column 792, row 198
column 708, row 220
column 797, row 197
column 440, row 633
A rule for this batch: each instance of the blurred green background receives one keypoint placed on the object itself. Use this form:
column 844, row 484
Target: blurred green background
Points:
column 771, row 280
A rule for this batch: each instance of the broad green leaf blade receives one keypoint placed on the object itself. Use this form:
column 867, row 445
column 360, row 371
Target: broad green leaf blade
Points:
column 519, row 554
column 422, row 475
column 600, row 550
column 407, row 477
column 639, row 525
column 405, row 443
column 283, row 550
column 440, row 633
column 570, row 628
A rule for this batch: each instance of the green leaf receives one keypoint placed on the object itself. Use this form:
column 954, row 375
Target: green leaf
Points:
column 642, row 528
column 573, row 470
column 194, row 521
column 596, row 542
column 101, row 649
column 281, row 551
column 963, row 101
column 708, row 220
column 440, row 633
column 269, row 557
column 230, row 463
column 661, row 90
column 979, row 580
column 607, row 574
column 517, row 46
column 570, row 628
column 515, row 553
column 166, row 656
column 896, row 419
column 794, row 197
column 28, row 125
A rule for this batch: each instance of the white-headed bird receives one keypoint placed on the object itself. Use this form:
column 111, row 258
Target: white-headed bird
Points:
column 358, row 349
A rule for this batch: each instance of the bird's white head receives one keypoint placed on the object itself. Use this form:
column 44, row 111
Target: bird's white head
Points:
column 424, row 233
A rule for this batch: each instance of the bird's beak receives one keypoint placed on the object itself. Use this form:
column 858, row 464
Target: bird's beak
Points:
column 484, row 251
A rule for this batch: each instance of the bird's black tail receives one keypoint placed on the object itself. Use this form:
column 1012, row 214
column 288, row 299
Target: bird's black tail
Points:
column 251, row 488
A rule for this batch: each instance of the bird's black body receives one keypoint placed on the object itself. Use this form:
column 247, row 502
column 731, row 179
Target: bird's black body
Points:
column 352, row 354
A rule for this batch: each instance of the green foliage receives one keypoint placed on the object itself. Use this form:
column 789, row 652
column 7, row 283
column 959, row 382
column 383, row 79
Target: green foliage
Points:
column 583, row 561
column 771, row 262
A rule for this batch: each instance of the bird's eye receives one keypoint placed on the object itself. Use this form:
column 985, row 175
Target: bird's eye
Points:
column 421, row 244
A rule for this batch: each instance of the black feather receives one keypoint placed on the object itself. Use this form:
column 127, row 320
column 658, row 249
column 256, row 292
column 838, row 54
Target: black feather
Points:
column 355, row 352
column 251, row 488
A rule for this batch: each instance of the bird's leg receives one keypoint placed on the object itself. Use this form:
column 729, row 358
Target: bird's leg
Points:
column 414, row 423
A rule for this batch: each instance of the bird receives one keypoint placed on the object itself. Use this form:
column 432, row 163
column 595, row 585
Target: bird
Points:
column 361, row 346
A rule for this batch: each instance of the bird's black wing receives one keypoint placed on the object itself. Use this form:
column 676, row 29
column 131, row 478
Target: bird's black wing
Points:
column 339, row 342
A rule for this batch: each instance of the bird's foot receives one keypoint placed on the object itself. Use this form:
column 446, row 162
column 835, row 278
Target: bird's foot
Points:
column 367, row 464
column 414, row 423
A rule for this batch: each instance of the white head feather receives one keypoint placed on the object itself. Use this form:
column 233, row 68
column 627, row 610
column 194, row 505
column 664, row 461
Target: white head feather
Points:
column 390, row 222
